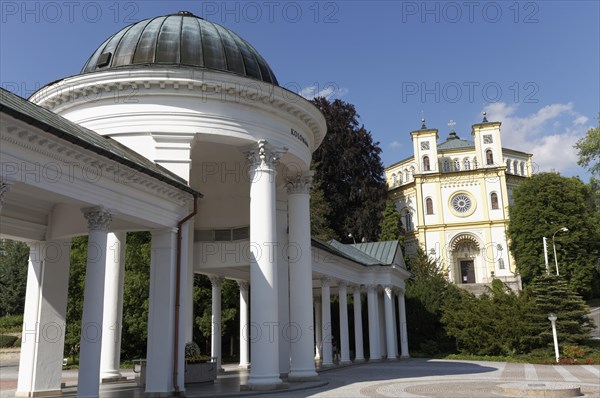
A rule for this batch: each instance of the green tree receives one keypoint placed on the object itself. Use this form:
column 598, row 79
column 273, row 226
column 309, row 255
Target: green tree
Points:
column 203, row 312
column 391, row 224
column 136, row 291
column 589, row 149
column 426, row 290
column 492, row 324
column 13, row 276
column 75, row 297
column 349, row 169
column 542, row 205
column 319, row 214
column 551, row 293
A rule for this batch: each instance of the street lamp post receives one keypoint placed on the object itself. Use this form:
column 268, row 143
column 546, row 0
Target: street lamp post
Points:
column 562, row 229
column 544, row 240
column 552, row 318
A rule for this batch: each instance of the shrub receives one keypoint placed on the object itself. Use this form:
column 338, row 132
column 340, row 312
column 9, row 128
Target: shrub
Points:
column 7, row 340
column 192, row 350
column 11, row 323
column 573, row 351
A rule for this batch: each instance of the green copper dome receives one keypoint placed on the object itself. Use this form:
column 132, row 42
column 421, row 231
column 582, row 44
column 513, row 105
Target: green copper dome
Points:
column 180, row 39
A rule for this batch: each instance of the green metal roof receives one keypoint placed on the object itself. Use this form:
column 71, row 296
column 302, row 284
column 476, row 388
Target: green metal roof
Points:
column 180, row 39
column 354, row 253
column 60, row 127
column 384, row 252
column 454, row 142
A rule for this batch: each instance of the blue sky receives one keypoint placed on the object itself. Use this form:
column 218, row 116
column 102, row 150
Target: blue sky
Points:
column 533, row 65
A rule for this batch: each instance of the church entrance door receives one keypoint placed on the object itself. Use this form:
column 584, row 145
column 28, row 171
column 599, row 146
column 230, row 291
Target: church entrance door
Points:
column 467, row 271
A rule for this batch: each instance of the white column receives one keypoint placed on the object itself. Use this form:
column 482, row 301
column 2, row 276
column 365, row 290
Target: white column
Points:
column 215, row 330
column 358, row 333
column 318, row 330
column 344, row 337
column 286, row 334
column 244, row 325
column 187, row 252
column 110, row 360
column 374, row 353
column 403, row 332
column 161, row 314
column 381, row 325
column 326, row 321
column 264, row 343
column 88, row 380
column 301, row 299
column 395, row 322
column 43, row 338
column 389, row 323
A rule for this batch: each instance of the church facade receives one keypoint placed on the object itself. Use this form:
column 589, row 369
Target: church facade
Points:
column 454, row 199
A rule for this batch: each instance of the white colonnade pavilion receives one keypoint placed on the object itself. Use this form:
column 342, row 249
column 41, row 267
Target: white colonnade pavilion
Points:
column 203, row 113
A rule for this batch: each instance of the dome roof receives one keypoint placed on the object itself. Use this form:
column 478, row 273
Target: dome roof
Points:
column 180, row 39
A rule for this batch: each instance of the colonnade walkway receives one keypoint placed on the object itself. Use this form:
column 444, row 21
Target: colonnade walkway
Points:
column 399, row 378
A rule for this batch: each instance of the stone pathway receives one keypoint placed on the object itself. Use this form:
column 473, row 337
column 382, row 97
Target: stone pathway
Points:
column 406, row 378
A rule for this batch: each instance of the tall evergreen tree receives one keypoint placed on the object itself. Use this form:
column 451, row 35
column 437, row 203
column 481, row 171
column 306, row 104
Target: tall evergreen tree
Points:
column 391, row 224
column 426, row 290
column 542, row 205
column 349, row 169
column 551, row 293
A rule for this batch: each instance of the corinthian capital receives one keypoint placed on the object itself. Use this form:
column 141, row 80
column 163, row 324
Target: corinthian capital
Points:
column 264, row 155
column 98, row 218
column 300, row 184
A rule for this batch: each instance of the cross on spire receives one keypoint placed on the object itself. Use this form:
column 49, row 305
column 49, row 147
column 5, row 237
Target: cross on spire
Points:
column 451, row 123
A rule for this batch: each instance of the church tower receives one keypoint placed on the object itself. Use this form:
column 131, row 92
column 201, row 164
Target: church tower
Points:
column 425, row 149
column 488, row 145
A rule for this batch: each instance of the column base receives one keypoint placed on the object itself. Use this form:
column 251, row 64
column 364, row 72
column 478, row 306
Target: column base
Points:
column 391, row 358
column 46, row 393
column 264, row 386
column 303, row 375
column 244, row 366
column 375, row 360
column 359, row 360
column 404, row 356
column 180, row 393
column 345, row 362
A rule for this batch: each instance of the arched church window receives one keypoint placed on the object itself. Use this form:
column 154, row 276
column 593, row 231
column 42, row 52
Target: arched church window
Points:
column 475, row 164
column 494, row 200
column 467, row 164
column 408, row 225
column 522, row 168
column 508, row 166
column 399, row 178
column 406, row 175
column 429, row 206
column 501, row 263
column 426, row 166
column 446, row 166
column 489, row 157
column 516, row 167
column 412, row 172
column 456, row 165
column 394, row 180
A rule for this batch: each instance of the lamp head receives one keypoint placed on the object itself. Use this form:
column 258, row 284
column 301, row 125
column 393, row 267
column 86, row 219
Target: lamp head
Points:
column 564, row 229
column 552, row 317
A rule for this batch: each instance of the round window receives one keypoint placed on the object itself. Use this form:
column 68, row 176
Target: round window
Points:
column 461, row 203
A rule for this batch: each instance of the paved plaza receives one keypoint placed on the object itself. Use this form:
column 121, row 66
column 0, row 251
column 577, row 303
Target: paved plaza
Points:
column 405, row 378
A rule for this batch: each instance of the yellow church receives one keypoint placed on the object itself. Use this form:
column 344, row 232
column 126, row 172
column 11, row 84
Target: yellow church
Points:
column 454, row 199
